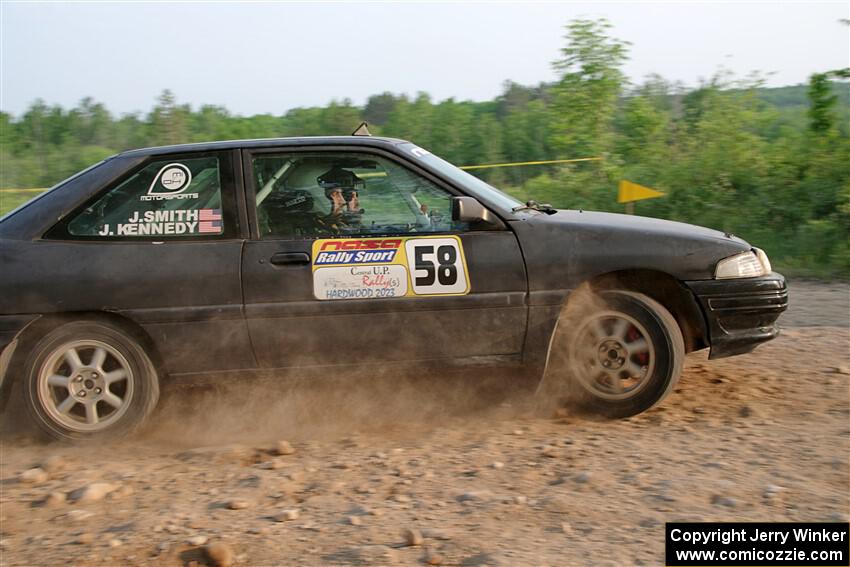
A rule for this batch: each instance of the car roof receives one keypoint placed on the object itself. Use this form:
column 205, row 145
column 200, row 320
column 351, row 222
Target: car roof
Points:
column 265, row 143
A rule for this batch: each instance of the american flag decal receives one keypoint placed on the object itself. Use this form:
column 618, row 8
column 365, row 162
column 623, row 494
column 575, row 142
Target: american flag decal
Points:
column 209, row 221
column 209, row 214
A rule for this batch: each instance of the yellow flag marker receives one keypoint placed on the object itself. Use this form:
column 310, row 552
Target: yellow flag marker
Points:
column 633, row 192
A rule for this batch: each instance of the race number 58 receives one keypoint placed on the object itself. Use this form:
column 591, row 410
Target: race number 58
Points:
column 436, row 266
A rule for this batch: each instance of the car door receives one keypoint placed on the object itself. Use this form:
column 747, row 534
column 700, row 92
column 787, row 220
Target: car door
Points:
column 387, row 277
column 161, row 246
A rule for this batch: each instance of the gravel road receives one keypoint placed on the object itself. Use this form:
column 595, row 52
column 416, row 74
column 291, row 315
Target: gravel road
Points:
column 441, row 471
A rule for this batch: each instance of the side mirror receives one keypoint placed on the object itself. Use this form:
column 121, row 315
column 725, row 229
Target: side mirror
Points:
column 468, row 209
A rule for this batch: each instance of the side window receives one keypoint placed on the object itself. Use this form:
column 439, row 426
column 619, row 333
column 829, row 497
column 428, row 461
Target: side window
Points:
column 167, row 198
column 313, row 195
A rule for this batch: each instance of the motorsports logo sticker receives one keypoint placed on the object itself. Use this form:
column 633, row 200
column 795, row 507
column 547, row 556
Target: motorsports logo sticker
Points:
column 373, row 268
column 170, row 183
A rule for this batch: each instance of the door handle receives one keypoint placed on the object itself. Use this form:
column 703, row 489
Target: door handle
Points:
column 290, row 258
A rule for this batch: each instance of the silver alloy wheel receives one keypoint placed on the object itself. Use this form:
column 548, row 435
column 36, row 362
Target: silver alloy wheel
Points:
column 613, row 355
column 85, row 396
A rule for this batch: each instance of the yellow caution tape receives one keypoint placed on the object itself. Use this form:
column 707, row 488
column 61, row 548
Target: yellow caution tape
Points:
column 545, row 162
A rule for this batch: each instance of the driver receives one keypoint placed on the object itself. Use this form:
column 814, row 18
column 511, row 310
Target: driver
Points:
column 342, row 189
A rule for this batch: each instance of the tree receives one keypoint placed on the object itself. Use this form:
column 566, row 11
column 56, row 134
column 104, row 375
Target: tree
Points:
column 378, row 108
column 585, row 96
column 168, row 121
column 822, row 104
column 822, row 101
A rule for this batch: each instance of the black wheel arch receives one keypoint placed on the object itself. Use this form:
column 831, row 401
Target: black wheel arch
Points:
column 48, row 322
column 666, row 290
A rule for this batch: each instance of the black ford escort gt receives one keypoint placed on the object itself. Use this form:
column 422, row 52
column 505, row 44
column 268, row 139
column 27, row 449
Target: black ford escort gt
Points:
column 291, row 253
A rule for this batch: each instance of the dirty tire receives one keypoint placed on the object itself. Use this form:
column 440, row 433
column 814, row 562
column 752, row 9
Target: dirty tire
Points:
column 616, row 354
column 89, row 380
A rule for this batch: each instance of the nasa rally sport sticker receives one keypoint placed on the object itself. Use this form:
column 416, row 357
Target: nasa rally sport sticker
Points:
column 377, row 268
column 170, row 183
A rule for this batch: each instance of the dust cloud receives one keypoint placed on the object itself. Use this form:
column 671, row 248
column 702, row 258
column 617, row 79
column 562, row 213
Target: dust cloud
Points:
column 328, row 404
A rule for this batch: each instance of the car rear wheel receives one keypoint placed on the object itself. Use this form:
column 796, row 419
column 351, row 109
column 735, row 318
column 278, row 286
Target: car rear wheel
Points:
column 617, row 353
column 89, row 379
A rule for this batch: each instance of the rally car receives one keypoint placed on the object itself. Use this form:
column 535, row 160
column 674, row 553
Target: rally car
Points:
column 228, row 257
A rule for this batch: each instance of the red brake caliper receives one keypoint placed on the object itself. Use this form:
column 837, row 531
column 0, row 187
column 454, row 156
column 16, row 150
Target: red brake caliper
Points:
column 632, row 335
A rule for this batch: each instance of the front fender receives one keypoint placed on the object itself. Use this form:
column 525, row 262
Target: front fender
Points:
column 563, row 250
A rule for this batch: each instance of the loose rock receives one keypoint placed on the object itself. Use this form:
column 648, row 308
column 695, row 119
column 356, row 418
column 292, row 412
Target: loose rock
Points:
column 197, row 540
column 238, row 504
column 436, row 534
column 413, row 537
column 287, row 515
column 274, row 464
column 746, row 411
column 720, row 500
column 582, row 478
column 85, row 538
column 771, row 491
column 54, row 499
column 284, row 448
column 79, row 515
column 549, row 451
column 92, row 492
column 35, row 475
column 560, row 504
column 475, row 496
column 220, row 554
column 375, row 555
column 53, row 464
column 122, row 491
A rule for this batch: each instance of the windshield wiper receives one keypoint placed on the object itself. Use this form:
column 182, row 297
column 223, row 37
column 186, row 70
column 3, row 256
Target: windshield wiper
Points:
column 532, row 205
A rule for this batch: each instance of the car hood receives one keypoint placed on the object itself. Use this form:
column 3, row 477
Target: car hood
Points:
column 643, row 226
column 568, row 247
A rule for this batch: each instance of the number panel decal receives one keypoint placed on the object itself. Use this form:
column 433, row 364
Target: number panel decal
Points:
column 438, row 266
column 378, row 268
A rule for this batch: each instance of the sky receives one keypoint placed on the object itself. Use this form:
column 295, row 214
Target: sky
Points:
column 269, row 57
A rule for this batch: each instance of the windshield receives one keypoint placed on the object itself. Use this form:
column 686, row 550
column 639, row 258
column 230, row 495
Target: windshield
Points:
column 466, row 180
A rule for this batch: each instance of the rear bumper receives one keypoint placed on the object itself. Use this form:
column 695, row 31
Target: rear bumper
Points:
column 10, row 328
column 741, row 313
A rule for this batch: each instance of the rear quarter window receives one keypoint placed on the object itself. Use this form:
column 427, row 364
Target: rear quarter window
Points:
column 167, row 198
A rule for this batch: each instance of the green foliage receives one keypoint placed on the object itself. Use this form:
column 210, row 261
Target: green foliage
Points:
column 770, row 165
column 821, row 117
column 591, row 81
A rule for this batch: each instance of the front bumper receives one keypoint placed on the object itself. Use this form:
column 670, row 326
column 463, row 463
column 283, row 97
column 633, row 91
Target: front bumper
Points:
column 741, row 313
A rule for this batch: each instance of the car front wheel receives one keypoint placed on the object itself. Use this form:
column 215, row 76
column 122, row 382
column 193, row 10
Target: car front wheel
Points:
column 617, row 352
column 88, row 379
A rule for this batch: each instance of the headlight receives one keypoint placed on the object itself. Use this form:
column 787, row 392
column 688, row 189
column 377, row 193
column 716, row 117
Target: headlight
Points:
column 744, row 265
column 763, row 259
